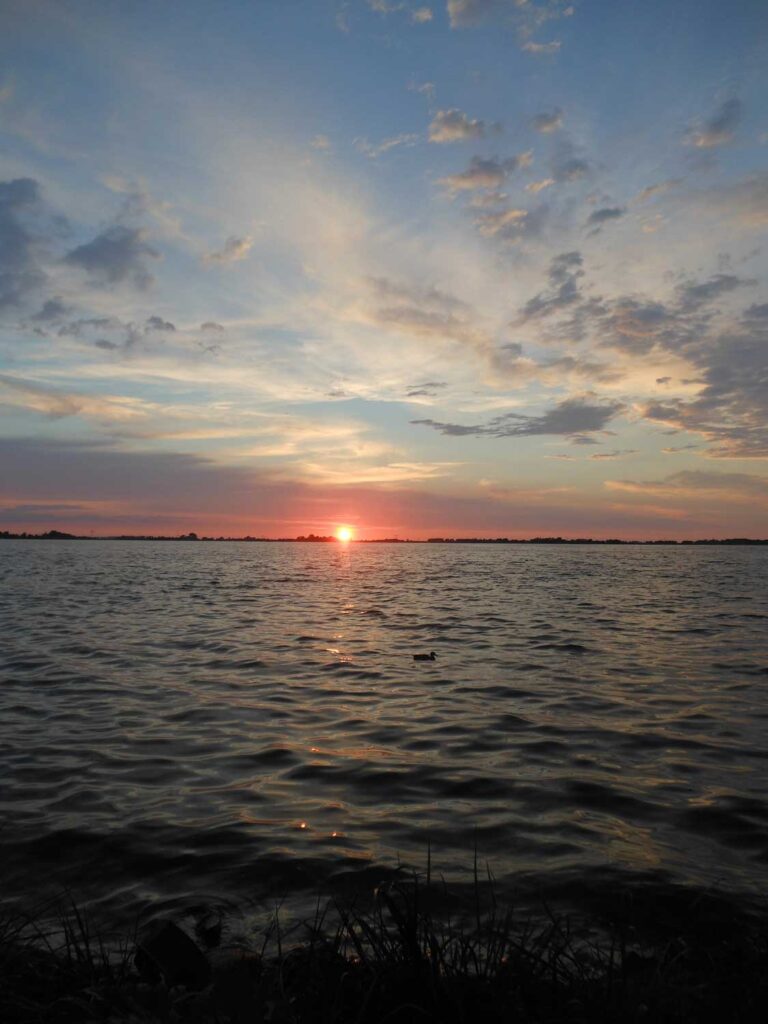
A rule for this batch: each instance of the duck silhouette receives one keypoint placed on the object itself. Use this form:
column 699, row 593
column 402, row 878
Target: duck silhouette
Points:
column 425, row 657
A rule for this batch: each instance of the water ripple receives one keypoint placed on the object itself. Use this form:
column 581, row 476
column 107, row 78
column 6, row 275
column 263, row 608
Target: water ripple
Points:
column 189, row 718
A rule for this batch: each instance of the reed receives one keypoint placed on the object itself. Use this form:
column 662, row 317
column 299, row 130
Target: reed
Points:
column 405, row 956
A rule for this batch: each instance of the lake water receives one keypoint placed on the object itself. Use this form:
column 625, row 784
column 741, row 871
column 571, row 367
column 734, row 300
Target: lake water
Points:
column 182, row 722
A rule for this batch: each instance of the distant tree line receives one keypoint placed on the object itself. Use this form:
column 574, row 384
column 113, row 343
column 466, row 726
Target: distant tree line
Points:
column 312, row 538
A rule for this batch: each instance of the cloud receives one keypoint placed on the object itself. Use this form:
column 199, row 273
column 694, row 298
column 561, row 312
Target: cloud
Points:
column 694, row 483
column 233, row 250
column 138, row 202
column 375, row 149
column 743, row 203
column 463, row 13
column 526, row 16
column 416, row 15
column 20, row 272
column 553, row 370
column 658, row 189
column 731, row 409
column 572, row 416
column 52, row 310
column 582, row 439
column 728, row 353
column 455, row 126
column 86, row 486
column 425, row 88
column 486, row 200
column 603, row 216
column 425, row 312
column 211, row 325
column 112, row 334
column 756, row 315
column 384, row 6
column 542, row 49
column 548, row 122
column 342, row 18
column 676, row 449
column 132, row 484
column 565, row 271
column 513, row 225
column 539, row 186
column 486, row 172
column 82, row 327
column 718, row 130
column 321, row 142
column 156, row 323
column 428, row 388
column 617, row 453
column 501, row 220
column 58, row 404
column 116, row 255
column 637, row 325
column 692, row 295
column 346, row 473
column 569, row 168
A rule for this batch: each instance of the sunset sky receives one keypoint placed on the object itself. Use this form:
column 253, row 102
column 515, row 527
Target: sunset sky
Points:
column 475, row 267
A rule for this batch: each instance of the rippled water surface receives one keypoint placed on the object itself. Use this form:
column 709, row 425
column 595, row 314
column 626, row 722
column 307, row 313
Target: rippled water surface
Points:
column 180, row 718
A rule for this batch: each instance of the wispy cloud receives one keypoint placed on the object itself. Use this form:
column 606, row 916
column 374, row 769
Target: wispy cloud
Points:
column 234, row 250
column 572, row 416
column 58, row 404
column 658, row 189
column 486, row 172
column 598, row 218
column 117, row 255
column 376, row 149
column 524, row 15
column 548, row 122
column 617, row 453
column 455, row 126
column 718, row 129
column 20, row 268
column 696, row 483
column 539, row 186
column 542, row 49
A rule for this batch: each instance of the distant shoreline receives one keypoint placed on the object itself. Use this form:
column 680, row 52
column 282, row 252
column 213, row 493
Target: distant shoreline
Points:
column 313, row 539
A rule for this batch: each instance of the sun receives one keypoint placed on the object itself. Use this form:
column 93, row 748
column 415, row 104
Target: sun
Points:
column 344, row 534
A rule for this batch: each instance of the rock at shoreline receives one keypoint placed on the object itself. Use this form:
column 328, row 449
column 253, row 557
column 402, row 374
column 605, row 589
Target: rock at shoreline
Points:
column 166, row 951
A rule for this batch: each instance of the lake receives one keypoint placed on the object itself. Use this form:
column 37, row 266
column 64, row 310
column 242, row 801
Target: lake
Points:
column 182, row 722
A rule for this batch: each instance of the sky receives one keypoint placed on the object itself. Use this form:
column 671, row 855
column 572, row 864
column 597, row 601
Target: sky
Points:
column 420, row 267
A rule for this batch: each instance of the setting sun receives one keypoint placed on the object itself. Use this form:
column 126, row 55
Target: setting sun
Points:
column 344, row 534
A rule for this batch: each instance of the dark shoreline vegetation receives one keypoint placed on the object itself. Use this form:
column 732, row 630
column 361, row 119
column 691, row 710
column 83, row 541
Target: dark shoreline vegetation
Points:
column 407, row 952
column 314, row 539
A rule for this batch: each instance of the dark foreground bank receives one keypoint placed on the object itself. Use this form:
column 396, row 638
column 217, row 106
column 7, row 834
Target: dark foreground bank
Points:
column 402, row 956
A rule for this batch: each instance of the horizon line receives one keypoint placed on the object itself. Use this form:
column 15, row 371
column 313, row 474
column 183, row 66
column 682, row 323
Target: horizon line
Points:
column 312, row 538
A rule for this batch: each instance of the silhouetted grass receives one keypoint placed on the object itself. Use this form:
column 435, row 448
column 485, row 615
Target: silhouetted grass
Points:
column 399, row 960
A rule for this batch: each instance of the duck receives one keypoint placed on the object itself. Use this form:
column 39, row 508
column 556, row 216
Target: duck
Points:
column 425, row 657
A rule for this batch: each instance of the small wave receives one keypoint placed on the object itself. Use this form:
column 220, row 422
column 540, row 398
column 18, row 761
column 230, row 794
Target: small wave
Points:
column 190, row 721
column 566, row 646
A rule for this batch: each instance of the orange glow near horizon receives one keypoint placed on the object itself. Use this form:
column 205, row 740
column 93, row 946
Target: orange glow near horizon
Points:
column 345, row 534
